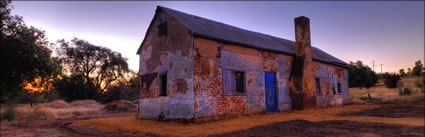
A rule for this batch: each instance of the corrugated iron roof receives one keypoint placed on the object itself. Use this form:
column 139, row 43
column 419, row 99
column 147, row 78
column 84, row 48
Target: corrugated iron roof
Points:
column 207, row 28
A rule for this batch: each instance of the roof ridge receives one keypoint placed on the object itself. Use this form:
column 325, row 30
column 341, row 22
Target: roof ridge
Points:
column 223, row 23
column 220, row 31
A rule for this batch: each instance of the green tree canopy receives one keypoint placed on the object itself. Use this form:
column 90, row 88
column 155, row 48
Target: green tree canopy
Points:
column 361, row 75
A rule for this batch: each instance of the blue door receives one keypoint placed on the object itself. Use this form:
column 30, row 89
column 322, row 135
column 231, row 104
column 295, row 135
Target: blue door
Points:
column 271, row 98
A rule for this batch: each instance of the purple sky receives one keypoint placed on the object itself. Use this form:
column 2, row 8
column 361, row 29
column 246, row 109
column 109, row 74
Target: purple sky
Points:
column 389, row 33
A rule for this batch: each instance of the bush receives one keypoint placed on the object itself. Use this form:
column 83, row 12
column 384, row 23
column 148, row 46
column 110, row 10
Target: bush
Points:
column 405, row 92
column 391, row 80
column 41, row 113
column 9, row 114
column 58, row 109
column 367, row 100
column 421, row 84
column 118, row 93
column 74, row 88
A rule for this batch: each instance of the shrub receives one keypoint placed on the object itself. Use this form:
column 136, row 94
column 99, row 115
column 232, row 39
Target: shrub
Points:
column 74, row 88
column 55, row 104
column 421, row 84
column 41, row 113
column 368, row 100
column 85, row 103
column 391, row 80
column 120, row 92
column 405, row 92
column 9, row 114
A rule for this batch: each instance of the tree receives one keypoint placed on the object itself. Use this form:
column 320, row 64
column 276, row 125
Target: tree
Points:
column 73, row 87
column 402, row 73
column 391, row 80
column 418, row 68
column 361, row 76
column 409, row 72
column 24, row 53
column 127, row 88
column 99, row 66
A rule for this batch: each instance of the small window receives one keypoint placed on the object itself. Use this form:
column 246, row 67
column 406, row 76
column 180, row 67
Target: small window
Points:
column 233, row 82
column 162, row 29
column 163, row 84
column 339, row 88
column 239, row 80
column 335, row 83
column 318, row 85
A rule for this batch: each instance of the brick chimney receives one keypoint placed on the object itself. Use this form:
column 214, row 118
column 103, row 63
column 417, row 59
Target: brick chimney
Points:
column 302, row 81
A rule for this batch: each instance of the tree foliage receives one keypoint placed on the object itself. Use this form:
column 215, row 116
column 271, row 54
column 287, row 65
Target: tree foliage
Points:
column 127, row 89
column 74, row 87
column 391, row 80
column 99, row 66
column 402, row 73
column 418, row 68
column 361, row 75
column 24, row 53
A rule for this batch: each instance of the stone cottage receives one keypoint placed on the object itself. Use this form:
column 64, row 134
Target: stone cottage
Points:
column 195, row 69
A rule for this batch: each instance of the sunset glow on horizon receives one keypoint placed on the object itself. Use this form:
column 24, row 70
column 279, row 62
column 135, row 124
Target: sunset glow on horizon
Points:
column 387, row 33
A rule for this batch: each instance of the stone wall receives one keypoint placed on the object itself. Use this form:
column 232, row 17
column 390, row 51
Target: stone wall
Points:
column 327, row 97
column 169, row 54
column 194, row 77
column 211, row 57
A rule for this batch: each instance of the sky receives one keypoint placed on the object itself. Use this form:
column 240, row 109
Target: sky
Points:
column 384, row 32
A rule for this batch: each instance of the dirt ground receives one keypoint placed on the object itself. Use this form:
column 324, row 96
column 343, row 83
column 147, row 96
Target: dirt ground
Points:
column 353, row 120
column 314, row 118
column 58, row 128
column 393, row 111
column 304, row 128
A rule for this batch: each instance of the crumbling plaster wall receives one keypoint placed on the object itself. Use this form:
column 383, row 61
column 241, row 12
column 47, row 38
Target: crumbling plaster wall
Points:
column 327, row 97
column 170, row 53
column 211, row 57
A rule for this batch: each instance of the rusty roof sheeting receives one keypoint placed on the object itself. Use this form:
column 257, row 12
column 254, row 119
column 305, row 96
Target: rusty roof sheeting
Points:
column 207, row 28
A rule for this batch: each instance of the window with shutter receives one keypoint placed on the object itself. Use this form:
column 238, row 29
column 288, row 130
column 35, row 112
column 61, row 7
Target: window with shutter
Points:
column 233, row 82
column 239, row 80
column 227, row 82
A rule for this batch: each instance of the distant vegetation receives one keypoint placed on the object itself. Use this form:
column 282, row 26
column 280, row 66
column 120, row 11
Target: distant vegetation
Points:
column 391, row 80
column 79, row 70
column 361, row 75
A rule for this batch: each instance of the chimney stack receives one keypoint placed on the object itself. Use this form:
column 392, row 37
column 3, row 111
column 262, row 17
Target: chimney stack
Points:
column 302, row 80
column 302, row 36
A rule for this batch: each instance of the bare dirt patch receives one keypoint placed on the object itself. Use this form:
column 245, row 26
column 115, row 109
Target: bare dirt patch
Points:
column 303, row 128
column 132, row 124
column 59, row 128
column 392, row 111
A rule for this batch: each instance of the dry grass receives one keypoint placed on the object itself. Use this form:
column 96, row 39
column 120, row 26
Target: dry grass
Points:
column 135, row 125
column 58, row 109
column 381, row 94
